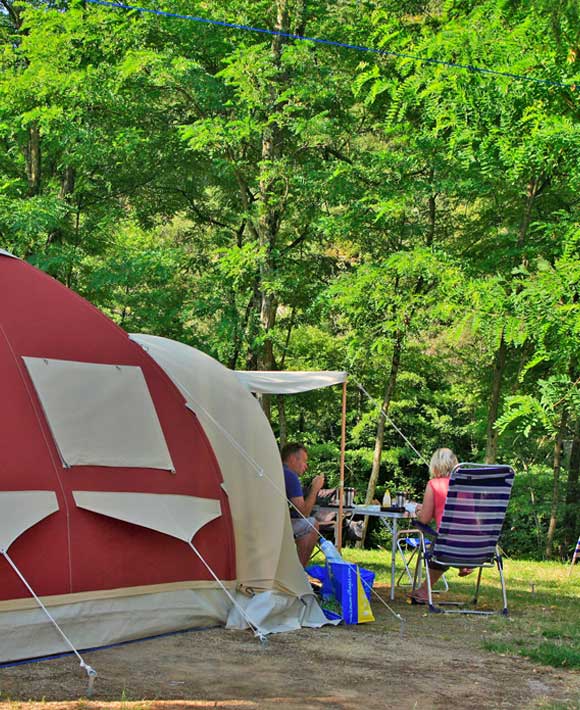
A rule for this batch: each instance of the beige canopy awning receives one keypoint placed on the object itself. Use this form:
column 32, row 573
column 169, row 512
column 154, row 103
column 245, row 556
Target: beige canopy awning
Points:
column 271, row 382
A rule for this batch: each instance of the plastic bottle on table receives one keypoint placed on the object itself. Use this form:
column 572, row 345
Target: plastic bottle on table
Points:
column 387, row 500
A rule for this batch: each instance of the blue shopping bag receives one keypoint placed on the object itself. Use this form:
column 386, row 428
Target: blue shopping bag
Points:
column 321, row 574
column 350, row 586
column 352, row 589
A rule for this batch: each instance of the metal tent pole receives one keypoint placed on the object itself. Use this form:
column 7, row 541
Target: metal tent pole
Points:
column 342, row 450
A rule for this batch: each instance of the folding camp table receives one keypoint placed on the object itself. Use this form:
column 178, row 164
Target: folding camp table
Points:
column 388, row 518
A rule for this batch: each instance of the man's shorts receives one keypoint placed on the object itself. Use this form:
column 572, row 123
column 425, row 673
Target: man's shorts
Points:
column 302, row 526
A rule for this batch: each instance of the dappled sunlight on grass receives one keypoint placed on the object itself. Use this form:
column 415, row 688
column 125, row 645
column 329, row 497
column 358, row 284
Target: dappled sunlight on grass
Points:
column 543, row 601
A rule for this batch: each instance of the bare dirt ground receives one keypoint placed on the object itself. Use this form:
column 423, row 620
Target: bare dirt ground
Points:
column 438, row 662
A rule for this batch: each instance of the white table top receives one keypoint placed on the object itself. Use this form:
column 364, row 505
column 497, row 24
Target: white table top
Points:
column 371, row 510
column 377, row 512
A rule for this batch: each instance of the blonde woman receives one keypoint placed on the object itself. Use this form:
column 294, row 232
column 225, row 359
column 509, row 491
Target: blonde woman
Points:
column 442, row 463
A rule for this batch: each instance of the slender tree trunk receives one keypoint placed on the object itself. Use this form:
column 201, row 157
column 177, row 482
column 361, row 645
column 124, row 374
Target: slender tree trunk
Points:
column 67, row 186
column 33, row 159
column 533, row 190
column 253, row 329
column 239, row 332
column 283, row 438
column 270, row 214
column 498, row 370
column 556, row 485
column 432, row 211
column 379, row 439
column 67, row 183
column 573, row 490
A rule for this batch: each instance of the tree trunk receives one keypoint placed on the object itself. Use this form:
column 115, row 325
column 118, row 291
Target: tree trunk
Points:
column 432, row 211
column 573, row 490
column 270, row 214
column 239, row 331
column 33, row 159
column 533, row 190
column 498, row 370
column 283, row 438
column 67, row 183
column 67, row 186
column 13, row 13
column 379, row 439
column 556, row 485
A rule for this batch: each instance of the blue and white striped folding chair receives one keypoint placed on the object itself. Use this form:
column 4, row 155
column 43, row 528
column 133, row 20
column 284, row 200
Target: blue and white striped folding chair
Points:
column 471, row 525
column 575, row 556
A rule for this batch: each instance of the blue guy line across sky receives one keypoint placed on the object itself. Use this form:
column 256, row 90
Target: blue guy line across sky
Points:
column 332, row 43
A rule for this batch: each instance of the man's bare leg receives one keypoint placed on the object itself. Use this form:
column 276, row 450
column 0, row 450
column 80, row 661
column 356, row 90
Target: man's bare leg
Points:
column 305, row 545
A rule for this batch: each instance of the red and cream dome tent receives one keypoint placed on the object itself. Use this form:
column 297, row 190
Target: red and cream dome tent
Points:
column 140, row 483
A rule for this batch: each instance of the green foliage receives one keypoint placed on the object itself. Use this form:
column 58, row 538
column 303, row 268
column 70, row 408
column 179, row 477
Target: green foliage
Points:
column 313, row 207
column 527, row 518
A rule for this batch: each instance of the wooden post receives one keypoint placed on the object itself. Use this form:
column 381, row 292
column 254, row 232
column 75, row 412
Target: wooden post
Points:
column 341, row 488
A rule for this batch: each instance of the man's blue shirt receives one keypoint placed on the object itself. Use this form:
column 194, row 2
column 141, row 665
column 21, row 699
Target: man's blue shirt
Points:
column 293, row 488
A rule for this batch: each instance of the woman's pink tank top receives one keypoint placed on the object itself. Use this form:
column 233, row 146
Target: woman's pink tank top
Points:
column 439, row 486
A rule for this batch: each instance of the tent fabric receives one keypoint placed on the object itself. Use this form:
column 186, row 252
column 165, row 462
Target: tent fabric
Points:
column 21, row 510
column 271, row 382
column 41, row 318
column 101, row 622
column 100, row 415
column 272, row 611
column 177, row 516
column 265, row 549
column 111, row 579
column 124, row 618
column 3, row 252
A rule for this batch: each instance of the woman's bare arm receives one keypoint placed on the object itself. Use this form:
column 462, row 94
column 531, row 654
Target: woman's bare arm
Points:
column 426, row 512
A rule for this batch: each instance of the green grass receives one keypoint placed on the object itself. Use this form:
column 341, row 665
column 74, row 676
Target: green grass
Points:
column 543, row 601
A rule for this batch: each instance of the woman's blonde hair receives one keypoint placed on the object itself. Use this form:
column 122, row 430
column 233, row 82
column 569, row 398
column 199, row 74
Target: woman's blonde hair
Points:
column 442, row 463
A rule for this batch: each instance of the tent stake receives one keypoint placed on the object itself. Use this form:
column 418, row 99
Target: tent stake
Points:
column 91, row 672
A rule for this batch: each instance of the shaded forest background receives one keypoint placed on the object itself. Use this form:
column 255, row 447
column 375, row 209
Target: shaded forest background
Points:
column 284, row 205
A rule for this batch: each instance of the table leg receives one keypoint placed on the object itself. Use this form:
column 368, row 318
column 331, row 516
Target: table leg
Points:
column 393, row 557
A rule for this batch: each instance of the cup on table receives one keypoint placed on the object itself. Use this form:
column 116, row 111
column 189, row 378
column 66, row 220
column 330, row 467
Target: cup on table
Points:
column 348, row 497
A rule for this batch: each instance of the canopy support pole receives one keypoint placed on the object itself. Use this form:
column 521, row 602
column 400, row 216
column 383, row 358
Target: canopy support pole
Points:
column 342, row 452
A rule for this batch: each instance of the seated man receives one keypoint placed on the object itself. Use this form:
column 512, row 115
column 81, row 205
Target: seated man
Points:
column 295, row 460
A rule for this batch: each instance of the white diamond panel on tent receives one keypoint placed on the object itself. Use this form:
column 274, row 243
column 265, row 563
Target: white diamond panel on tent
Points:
column 20, row 510
column 175, row 515
column 100, row 415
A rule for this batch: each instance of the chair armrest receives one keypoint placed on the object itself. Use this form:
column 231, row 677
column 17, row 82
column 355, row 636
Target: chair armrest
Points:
column 425, row 529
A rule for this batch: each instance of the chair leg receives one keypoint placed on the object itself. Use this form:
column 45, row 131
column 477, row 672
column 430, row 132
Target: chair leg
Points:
column 432, row 607
column 477, row 584
column 406, row 563
column 499, row 563
column 418, row 568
